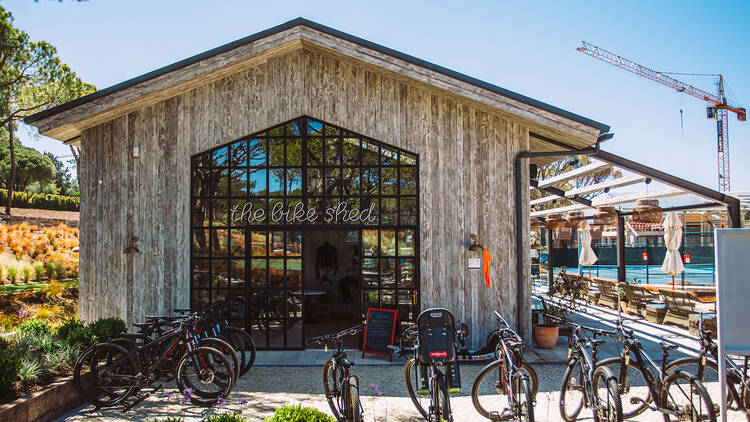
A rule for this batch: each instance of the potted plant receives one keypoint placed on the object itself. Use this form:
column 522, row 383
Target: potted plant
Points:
column 623, row 297
column 565, row 292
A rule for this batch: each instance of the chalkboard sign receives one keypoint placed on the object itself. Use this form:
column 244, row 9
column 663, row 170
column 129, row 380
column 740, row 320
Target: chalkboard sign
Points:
column 380, row 331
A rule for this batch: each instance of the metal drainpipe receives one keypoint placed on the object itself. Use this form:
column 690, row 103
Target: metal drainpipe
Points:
column 523, row 315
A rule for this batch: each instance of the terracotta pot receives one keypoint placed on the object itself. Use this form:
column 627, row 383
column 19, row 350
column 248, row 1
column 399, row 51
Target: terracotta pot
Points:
column 545, row 336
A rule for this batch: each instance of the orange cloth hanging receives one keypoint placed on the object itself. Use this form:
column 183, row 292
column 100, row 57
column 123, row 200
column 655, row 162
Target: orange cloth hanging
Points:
column 487, row 258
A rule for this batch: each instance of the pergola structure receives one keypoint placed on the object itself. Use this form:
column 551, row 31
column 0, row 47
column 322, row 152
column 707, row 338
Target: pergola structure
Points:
column 639, row 173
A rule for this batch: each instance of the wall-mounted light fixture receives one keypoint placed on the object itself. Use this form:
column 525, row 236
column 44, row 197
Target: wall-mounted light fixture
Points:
column 131, row 248
column 475, row 246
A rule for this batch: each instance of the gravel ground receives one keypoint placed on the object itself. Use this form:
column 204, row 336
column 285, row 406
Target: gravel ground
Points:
column 267, row 388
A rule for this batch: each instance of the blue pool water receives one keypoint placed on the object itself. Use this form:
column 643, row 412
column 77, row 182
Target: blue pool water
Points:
column 694, row 274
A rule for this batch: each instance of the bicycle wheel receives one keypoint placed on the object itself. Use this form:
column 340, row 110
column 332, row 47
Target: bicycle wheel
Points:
column 524, row 399
column 412, row 378
column 607, row 395
column 488, row 391
column 104, row 374
column 244, row 345
column 441, row 402
column 355, row 406
column 572, row 392
column 533, row 378
column 687, row 396
column 632, row 384
column 709, row 378
column 207, row 374
column 228, row 351
column 331, row 387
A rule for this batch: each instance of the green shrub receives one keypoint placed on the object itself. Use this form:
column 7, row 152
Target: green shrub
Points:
column 9, row 365
column 29, row 369
column 34, row 326
column 63, row 331
column 169, row 419
column 59, row 270
column 63, row 357
column 49, row 270
column 79, row 335
column 32, row 343
column 41, row 201
column 105, row 329
column 227, row 417
column 26, row 273
column 299, row 414
column 12, row 274
column 38, row 271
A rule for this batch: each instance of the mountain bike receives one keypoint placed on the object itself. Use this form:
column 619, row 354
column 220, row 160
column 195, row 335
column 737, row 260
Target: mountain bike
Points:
column 508, row 375
column 106, row 374
column 644, row 384
column 705, row 367
column 341, row 387
column 585, row 384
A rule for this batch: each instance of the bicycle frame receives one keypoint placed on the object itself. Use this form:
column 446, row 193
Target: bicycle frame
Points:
column 579, row 349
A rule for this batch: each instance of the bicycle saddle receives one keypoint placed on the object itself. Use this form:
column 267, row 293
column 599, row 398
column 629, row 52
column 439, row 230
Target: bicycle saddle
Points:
column 667, row 347
column 597, row 342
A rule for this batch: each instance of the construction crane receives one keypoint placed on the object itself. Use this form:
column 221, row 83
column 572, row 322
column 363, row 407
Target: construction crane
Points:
column 717, row 109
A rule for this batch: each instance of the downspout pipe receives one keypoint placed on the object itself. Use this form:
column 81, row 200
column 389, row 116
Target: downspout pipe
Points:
column 523, row 310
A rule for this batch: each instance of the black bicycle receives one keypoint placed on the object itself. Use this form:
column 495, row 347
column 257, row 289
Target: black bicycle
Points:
column 107, row 374
column 508, row 375
column 705, row 367
column 586, row 384
column 644, row 384
column 341, row 387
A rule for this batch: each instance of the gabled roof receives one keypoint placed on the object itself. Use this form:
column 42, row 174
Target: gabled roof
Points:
column 300, row 22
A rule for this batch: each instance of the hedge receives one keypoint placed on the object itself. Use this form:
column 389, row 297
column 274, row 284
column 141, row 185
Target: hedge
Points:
column 41, row 201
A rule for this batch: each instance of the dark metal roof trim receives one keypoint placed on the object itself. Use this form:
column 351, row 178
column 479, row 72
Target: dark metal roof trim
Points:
column 330, row 31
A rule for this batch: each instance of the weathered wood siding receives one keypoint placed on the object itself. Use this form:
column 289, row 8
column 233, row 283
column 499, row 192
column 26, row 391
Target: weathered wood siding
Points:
column 466, row 154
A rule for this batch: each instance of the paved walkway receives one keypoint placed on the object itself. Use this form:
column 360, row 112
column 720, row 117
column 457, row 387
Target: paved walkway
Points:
column 296, row 378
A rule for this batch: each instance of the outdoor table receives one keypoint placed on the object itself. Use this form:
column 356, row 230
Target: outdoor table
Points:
column 655, row 312
column 308, row 305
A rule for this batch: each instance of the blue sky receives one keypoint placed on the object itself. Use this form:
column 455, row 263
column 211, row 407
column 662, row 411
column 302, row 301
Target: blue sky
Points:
column 528, row 48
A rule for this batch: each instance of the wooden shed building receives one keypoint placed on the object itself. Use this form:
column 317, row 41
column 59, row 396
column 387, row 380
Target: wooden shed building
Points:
column 310, row 173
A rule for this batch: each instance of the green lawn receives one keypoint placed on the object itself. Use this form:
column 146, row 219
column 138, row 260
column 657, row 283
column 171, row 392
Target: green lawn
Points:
column 31, row 287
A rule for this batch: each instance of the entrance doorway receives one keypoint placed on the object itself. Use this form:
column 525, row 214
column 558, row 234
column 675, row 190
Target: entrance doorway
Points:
column 311, row 225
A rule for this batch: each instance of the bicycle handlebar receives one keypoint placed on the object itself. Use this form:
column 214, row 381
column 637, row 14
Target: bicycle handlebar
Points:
column 578, row 327
column 347, row 332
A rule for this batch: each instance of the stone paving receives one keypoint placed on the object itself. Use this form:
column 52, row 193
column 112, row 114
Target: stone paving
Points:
column 296, row 377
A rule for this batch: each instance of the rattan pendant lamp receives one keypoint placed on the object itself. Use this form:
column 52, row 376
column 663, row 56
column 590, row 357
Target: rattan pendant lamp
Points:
column 647, row 210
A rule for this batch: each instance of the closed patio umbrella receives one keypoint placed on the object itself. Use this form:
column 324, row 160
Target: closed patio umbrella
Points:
column 672, row 240
column 587, row 257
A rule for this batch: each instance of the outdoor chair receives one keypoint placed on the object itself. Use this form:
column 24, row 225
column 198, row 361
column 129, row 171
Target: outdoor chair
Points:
column 680, row 305
column 607, row 293
column 593, row 291
column 638, row 297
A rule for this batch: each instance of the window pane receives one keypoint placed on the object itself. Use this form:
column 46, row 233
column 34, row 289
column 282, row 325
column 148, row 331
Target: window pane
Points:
column 315, row 152
column 292, row 128
column 315, row 181
column 238, row 183
column 388, row 156
column 200, row 273
column 294, row 152
column 259, row 241
column 258, row 273
column 388, row 211
column 257, row 212
column 333, row 181
column 407, row 159
column 406, row 273
column 219, row 182
column 201, row 182
column 294, row 181
column 200, row 242
column 389, row 181
column 219, row 242
column 276, row 182
column 202, row 160
column 257, row 152
column 237, row 244
column 372, row 299
column 370, row 206
column 388, row 273
column 319, row 206
column 294, row 273
column 351, row 152
column 293, row 243
column 201, row 299
column 408, row 180
column 220, row 212
column 407, row 304
column 276, row 152
column 277, row 244
column 201, row 212
column 370, row 181
column 237, row 273
column 220, row 273
column 333, row 152
column 387, row 243
column 370, row 153
column 276, row 272
column 239, row 154
column 351, row 181
column 370, row 242
column 389, row 298
column 257, row 184
column 406, row 242
column 370, row 272
column 409, row 210
column 220, row 157
column 314, row 127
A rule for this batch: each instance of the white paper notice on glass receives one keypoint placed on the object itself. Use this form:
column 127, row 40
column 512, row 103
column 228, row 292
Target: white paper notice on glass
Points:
column 475, row 263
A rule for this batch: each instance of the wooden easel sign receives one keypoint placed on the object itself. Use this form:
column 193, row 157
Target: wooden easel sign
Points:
column 380, row 332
